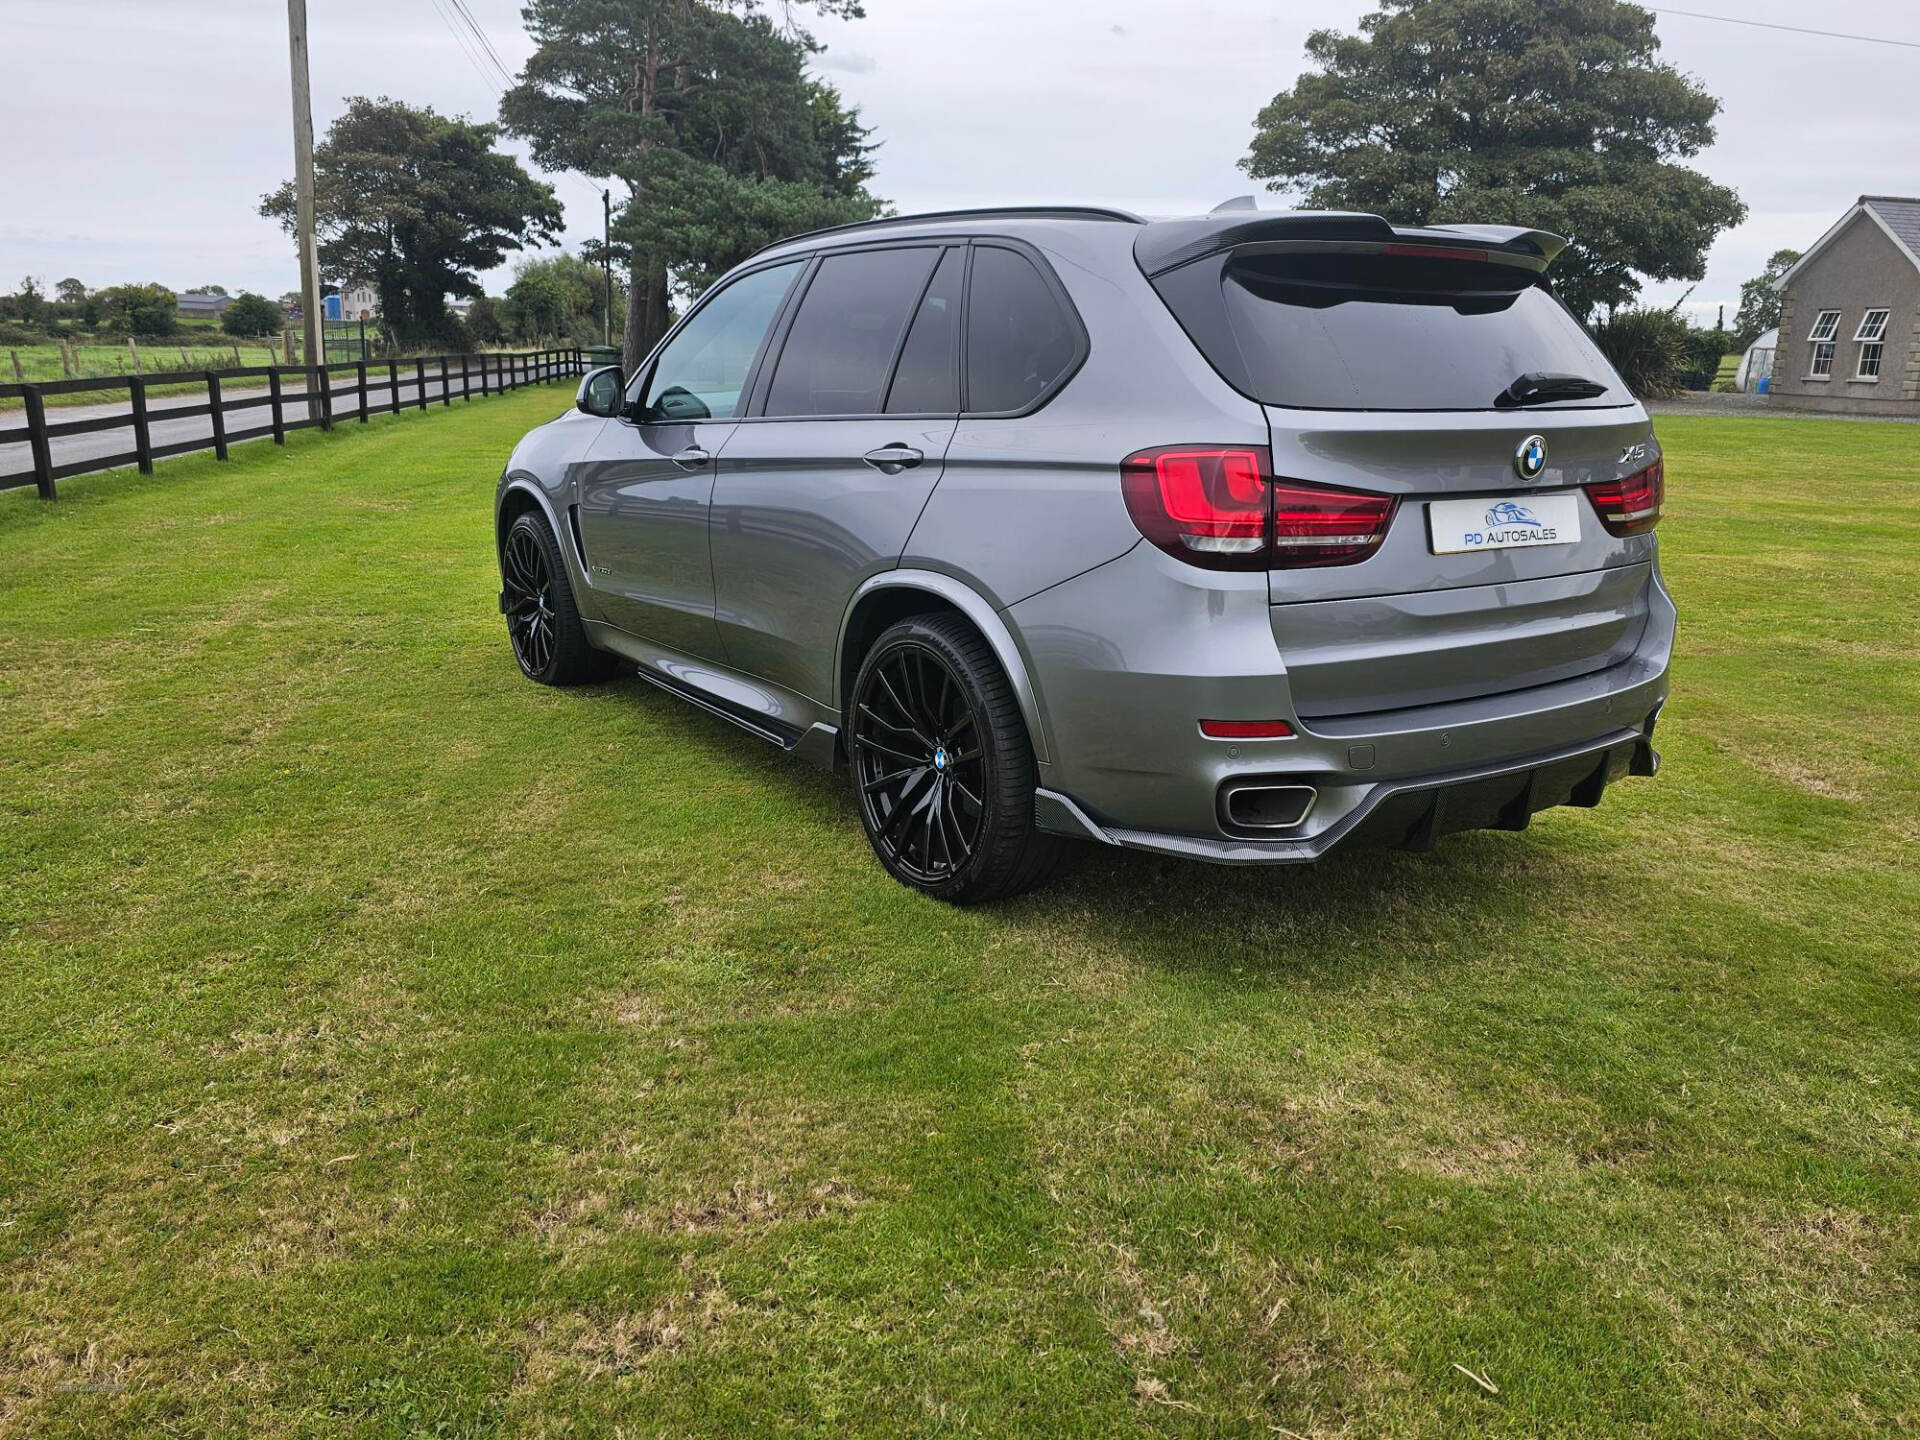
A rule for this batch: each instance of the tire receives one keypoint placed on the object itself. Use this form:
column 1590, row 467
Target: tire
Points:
column 942, row 765
column 543, row 623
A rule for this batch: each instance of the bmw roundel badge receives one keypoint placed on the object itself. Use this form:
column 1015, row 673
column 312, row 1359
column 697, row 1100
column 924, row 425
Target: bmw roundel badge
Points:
column 1531, row 458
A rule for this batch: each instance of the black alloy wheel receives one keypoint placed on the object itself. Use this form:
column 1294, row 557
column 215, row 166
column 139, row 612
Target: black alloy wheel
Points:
column 542, row 621
column 920, row 765
column 942, row 765
column 529, row 600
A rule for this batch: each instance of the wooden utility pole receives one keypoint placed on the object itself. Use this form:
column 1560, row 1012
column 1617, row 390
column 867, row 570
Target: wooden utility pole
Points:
column 606, row 256
column 310, row 315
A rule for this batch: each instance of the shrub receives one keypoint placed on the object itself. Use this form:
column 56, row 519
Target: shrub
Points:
column 1704, row 351
column 251, row 315
column 1648, row 347
column 138, row 309
column 483, row 322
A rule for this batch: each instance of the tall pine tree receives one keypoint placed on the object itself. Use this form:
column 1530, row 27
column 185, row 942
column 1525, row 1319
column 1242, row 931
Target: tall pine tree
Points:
column 705, row 112
column 1556, row 114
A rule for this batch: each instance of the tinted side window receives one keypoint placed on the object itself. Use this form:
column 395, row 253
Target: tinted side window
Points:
column 1019, row 339
column 840, row 350
column 700, row 374
column 927, row 380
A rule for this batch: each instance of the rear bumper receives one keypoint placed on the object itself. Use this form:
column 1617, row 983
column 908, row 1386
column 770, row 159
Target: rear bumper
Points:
column 1404, row 814
column 1128, row 658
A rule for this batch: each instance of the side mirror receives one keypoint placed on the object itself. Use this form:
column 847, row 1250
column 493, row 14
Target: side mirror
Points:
column 600, row 391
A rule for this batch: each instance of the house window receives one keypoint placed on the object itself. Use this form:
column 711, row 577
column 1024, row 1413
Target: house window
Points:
column 1872, row 337
column 1822, row 336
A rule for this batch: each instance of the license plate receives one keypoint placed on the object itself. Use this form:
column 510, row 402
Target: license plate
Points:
column 1507, row 522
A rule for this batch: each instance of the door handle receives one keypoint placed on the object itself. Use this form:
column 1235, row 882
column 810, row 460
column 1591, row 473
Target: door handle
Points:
column 691, row 458
column 892, row 459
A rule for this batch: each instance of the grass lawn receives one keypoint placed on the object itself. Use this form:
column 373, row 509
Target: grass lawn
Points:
column 392, row 1047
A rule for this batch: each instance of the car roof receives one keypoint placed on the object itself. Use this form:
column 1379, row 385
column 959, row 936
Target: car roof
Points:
column 1161, row 243
column 1024, row 221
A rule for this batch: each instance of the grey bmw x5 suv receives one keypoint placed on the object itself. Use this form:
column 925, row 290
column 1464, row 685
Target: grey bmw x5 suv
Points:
column 1235, row 537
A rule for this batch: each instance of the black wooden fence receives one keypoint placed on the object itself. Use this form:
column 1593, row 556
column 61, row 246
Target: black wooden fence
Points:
column 371, row 386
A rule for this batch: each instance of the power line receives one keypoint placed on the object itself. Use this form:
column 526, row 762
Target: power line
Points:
column 465, row 33
column 465, row 44
column 1791, row 29
column 486, row 45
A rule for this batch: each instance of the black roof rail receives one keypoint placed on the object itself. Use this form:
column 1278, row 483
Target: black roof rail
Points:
column 1023, row 212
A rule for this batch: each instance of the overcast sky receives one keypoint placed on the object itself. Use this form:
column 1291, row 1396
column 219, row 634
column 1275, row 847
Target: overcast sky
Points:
column 137, row 136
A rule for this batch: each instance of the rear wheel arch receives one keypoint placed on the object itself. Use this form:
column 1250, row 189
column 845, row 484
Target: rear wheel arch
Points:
column 899, row 594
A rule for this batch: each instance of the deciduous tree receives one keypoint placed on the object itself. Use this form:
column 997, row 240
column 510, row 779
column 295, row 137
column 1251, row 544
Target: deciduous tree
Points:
column 1759, row 302
column 419, row 205
column 251, row 315
column 138, row 309
column 1556, row 114
column 558, row 298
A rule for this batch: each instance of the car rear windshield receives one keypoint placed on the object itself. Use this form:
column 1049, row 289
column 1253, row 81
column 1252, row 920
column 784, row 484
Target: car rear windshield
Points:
column 1337, row 331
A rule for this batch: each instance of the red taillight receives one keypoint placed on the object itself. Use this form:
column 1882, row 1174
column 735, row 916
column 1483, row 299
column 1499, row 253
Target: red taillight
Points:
column 1215, row 506
column 1631, row 506
column 1246, row 729
column 1314, row 525
column 1203, row 504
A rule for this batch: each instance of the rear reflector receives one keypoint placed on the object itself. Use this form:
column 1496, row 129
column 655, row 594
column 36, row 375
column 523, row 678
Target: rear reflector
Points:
column 1631, row 506
column 1246, row 729
column 1217, row 507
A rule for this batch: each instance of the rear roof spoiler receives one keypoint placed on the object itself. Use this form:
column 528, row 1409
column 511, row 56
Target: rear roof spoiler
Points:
column 1165, row 244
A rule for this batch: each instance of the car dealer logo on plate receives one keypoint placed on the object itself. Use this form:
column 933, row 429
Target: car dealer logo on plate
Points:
column 1531, row 458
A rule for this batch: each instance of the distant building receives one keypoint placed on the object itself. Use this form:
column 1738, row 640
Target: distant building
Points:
column 358, row 301
column 1850, row 315
column 193, row 305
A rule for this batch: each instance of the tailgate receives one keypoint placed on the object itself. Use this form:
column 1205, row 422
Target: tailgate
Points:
column 1427, row 647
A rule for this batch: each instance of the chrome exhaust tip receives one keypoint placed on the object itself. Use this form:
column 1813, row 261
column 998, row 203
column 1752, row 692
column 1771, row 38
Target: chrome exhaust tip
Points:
column 1263, row 806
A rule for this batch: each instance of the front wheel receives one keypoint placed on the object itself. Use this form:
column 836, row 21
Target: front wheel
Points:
column 543, row 623
column 943, row 766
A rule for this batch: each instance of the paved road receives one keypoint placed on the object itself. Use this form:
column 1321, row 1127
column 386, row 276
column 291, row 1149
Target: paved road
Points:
column 67, row 449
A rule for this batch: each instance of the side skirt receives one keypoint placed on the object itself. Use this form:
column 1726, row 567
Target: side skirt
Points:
column 774, row 715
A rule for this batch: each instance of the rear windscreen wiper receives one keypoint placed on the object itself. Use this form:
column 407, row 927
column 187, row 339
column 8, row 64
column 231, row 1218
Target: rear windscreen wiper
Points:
column 1538, row 387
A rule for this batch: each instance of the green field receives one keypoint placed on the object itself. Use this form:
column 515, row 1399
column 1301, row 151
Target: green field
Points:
column 393, row 1047
column 190, row 351
column 41, row 363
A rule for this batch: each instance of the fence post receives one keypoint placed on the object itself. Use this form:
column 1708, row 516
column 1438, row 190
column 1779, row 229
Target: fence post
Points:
column 320, row 387
column 37, row 441
column 420, row 382
column 393, row 387
column 466, row 380
column 279, row 415
column 217, row 414
column 483, row 375
column 446, row 386
column 360, row 381
column 142, row 436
